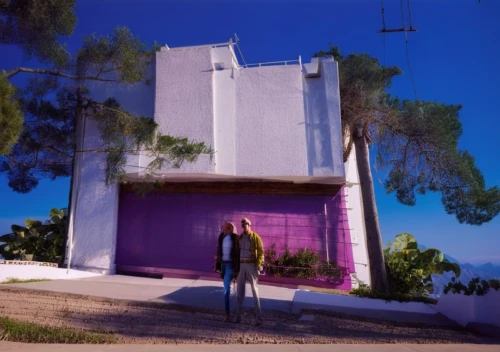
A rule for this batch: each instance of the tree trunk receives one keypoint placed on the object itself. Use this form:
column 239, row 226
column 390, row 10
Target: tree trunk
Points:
column 71, row 204
column 374, row 245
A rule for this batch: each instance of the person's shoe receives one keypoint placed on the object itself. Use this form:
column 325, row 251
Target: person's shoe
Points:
column 258, row 322
column 226, row 318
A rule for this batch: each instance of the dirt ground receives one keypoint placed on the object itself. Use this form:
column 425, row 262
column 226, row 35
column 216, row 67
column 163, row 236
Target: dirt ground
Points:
column 138, row 322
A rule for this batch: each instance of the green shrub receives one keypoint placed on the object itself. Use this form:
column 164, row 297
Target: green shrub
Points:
column 366, row 292
column 304, row 264
column 475, row 286
column 44, row 241
column 409, row 269
column 495, row 284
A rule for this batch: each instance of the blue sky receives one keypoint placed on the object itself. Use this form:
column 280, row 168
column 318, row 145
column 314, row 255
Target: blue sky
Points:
column 453, row 55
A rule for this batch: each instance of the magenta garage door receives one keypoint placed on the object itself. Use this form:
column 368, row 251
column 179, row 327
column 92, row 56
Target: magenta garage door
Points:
column 179, row 231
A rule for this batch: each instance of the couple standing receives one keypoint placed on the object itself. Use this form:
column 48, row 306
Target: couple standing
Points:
column 242, row 257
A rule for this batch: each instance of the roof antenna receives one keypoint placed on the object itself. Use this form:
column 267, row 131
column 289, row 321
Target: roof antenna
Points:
column 236, row 41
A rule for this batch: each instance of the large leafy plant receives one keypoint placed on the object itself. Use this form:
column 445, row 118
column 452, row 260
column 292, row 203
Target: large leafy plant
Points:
column 410, row 268
column 45, row 241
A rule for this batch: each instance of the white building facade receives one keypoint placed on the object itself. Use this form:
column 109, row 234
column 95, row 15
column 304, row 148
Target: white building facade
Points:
column 276, row 134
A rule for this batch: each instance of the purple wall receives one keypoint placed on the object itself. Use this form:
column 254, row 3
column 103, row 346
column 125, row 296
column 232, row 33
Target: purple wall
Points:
column 179, row 231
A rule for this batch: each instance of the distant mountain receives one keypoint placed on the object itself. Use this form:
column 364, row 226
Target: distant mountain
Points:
column 468, row 272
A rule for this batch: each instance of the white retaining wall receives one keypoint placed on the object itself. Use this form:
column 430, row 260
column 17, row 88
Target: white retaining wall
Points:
column 307, row 299
column 471, row 309
column 26, row 272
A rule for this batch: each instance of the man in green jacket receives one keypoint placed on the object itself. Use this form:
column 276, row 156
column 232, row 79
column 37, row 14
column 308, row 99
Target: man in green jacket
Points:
column 251, row 259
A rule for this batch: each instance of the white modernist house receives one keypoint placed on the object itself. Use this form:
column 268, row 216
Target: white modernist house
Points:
column 276, row 134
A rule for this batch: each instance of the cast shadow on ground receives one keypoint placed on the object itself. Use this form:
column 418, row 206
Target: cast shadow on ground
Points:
column 212, row 297
column 194, row 315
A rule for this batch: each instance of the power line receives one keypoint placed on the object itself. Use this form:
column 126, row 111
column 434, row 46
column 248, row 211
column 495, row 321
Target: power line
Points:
column 411, row 73
column 392, row 30
column 405, row 30
column 406, row 47
column 383, row 29
column 409, row 13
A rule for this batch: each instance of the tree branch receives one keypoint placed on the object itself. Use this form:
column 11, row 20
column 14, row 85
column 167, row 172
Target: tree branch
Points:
column 17, row 70
column 90, row 101
column 404, row 155
column 24, row 164
column 56, row 162
column 57, row 150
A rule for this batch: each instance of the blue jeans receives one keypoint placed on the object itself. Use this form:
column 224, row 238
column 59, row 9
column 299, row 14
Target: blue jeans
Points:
column 228, row 270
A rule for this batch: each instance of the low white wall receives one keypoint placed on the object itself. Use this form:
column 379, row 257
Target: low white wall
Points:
column 304, row 298
column 26, row 272
column 487, row 308
column 457, row 307
column 471, row 309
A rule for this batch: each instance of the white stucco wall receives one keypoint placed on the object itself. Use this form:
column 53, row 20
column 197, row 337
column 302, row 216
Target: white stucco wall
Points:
column 355, row 217
column 96, row 213
column 224, row 110
column 27, row 272
column 330, row 75
column 487, row 308
column 471, row 309
column 184, row 98
column 322, row 118
column 270, row 131
column 254, row 118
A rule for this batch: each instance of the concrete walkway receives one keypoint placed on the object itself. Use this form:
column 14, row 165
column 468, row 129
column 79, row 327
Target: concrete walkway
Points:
column 208, row 294
column 197, row 293
column 12, row 346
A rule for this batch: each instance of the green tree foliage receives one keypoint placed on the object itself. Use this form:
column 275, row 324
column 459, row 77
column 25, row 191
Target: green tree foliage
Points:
column 11, row 118
column 45, row 146
column 417, row 140
column 363, row 83
column 418, row 143
column 56, row 101
column 120, row 56
column 123, row 133
column 35, row 25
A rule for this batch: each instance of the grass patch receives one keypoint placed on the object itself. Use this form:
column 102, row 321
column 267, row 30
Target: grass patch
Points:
column 366, row 292
column 330, row 291
column 15, row 280
column 19, row 331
